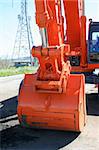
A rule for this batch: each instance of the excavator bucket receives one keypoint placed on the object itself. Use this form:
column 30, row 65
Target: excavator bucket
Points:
column 59, row 111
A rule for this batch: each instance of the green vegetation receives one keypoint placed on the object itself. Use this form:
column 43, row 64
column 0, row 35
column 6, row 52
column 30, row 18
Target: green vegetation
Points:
column 14, row 71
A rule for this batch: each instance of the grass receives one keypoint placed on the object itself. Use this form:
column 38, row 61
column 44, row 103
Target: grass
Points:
column 14, row 71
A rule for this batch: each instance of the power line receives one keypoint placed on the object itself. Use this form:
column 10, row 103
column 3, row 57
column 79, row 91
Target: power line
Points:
column 23, row 41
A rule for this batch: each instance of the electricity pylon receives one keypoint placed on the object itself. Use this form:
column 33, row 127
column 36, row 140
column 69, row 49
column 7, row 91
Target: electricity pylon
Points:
column 23, row 41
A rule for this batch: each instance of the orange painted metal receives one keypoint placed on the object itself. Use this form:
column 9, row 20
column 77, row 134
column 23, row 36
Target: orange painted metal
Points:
column 48, row 16
column 83, row 62
column 76, row 34
column 63, row 111
column 71, row 9
column 53, row 98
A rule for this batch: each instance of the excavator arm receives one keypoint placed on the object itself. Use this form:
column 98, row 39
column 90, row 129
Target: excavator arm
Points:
column 53, row 98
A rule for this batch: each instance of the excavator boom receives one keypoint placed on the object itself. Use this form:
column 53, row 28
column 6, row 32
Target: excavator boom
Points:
column 53, row 98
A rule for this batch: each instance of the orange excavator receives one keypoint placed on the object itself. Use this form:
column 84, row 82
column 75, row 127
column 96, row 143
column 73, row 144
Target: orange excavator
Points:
column 53, row 98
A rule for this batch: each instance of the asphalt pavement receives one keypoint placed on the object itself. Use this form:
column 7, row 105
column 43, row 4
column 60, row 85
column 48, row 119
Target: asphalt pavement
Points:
column 14, row 137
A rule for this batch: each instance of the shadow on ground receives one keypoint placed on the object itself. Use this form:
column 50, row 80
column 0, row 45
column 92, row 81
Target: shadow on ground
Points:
column 22, row 138
column 9, row 107
column 92, row 79
column 27, row 139
column 92, row 102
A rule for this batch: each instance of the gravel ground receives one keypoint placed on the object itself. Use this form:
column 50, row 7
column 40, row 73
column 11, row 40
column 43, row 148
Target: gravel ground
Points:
column 13, row 137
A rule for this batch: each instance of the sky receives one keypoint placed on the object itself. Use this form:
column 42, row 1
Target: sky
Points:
column 9, row 22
